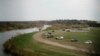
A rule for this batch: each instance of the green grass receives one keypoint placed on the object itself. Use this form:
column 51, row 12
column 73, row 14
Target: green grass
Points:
column 26, row 41
column 81, row 36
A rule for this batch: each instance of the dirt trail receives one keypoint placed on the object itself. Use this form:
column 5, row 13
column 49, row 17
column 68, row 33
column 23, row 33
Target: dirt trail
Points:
column 38, row 37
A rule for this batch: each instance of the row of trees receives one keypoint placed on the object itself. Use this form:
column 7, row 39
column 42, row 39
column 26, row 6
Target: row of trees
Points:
column 78, row 22
column 27, row 24
column 15, row 25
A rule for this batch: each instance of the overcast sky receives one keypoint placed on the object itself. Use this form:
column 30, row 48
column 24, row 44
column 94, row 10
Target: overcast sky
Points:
column 23, row 10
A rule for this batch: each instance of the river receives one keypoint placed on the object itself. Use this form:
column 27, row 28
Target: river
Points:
column 4, row 36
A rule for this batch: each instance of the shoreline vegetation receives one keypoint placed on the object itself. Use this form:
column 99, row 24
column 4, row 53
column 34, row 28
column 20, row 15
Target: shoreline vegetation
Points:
column 6, row 26
column 15, row 45
column 11, row 25
column 25, row 45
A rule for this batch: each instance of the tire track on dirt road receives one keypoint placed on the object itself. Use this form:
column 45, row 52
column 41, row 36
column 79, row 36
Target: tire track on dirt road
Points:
column 38, row 37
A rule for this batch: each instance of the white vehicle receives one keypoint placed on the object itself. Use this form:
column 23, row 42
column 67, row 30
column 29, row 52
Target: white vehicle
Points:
column 60, row 38
column 88, row 42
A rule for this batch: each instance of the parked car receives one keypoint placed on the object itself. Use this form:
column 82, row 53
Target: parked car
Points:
column 74, row 40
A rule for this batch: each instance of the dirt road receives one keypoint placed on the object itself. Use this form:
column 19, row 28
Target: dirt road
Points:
column 38, row 37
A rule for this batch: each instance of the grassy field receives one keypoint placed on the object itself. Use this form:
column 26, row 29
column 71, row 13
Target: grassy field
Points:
column 33, row 48
column 80, row 36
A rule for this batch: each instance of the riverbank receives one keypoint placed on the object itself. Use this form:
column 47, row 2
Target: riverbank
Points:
column 17, row 45
column 6, row 26
column 25, row 45
column 9, row 28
